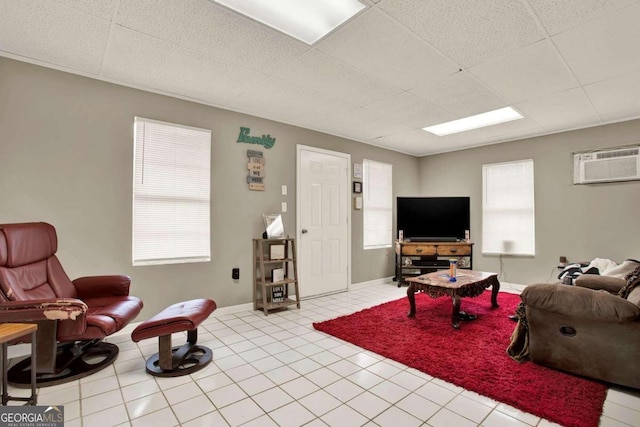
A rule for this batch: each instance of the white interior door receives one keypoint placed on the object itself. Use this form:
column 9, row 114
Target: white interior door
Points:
column 323, row 221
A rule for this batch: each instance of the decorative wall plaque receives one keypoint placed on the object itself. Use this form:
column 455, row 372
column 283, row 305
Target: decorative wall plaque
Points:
column 255, row 167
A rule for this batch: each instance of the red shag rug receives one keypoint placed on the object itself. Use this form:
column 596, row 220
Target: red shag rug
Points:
column 473, row 357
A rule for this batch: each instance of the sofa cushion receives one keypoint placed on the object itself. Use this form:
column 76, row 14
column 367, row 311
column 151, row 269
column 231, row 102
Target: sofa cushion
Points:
column 634, row 296
column 596, row 282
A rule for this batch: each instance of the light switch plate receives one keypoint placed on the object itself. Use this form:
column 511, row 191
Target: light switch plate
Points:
column 357, row 203
column 284, row 190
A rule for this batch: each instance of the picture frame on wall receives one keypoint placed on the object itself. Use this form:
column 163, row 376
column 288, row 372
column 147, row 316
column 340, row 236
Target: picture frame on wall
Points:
column 357, row 187
column 357, row 170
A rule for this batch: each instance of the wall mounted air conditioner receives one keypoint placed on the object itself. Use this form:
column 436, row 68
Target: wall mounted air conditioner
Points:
column 620, row 164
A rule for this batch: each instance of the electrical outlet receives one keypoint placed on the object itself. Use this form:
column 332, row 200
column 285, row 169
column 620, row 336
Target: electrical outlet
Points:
column 235, row 273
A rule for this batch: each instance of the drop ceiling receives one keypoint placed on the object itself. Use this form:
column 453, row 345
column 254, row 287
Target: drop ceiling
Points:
column 396, row 67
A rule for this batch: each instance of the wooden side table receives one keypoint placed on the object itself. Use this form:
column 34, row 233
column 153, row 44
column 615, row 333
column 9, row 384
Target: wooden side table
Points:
column 9, row 332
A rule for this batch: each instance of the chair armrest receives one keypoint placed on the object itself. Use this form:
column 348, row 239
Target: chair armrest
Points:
column 605, row 283
column 35, row 310
column 102, row 286
column 582, row 303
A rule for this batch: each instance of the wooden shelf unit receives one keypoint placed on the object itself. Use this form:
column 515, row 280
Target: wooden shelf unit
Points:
column 427, row 257
column 263, row 285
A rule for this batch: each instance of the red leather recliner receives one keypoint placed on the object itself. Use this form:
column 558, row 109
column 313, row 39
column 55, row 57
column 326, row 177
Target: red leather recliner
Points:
column 73, row 317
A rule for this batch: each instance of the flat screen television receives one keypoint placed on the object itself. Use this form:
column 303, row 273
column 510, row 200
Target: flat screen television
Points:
column 433, row 218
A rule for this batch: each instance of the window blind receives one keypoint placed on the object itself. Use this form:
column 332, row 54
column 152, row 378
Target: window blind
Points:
column 508, row 214
column 377, row 195
column 171, row 193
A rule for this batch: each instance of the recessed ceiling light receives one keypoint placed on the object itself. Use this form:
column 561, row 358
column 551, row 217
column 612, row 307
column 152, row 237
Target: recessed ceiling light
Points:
column 489, row 118
column 306, row 20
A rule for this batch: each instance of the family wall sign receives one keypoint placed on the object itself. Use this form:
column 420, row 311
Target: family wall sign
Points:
column 265, row 140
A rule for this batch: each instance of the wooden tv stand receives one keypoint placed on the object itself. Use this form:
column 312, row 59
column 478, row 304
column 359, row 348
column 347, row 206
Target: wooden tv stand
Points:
column 416, row 258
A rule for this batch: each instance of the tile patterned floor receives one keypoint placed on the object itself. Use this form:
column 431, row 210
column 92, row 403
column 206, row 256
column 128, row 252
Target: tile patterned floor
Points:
column 278, row 371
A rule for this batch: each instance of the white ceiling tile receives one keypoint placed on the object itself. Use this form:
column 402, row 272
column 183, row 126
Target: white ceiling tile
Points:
column 414, row 142
column 100, row 8
column 513, row 129
column 558, row 16
column 288, row 102
column 409, row 109
column 362, row 133
column 204, row 26
column 363, row 124
column 370, row 43
column 322, row 73
column 603, row 48
column 418, row 142
column 131, row 54
column 51, row 32
column 461, row 94
column 531, row 72
column 468, row 32
column 617, row 98
column 564, row 109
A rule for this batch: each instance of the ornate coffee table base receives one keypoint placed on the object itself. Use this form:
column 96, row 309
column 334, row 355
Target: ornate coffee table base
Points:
column 469, row 284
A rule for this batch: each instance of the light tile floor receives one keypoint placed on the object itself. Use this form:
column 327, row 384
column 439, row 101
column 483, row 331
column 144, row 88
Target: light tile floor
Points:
column 277, row 370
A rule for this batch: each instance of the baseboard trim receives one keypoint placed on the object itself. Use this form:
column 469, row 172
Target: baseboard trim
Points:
column 381, row 281
column 232, row 309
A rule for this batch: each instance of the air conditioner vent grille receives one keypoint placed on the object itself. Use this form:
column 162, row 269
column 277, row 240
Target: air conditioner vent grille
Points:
column 614, row 169
column 618, row 153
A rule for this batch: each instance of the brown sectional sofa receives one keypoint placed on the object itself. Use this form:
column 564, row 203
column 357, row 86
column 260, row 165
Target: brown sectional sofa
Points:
column 591, row 329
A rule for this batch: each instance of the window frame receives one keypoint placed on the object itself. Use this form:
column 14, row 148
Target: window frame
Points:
column 368, row 205
column 175, row 201
column 514, row 182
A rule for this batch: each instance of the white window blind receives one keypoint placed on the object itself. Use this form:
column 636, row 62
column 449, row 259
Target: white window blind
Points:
column 508, row 214
column 171, row 196
column 377, row 195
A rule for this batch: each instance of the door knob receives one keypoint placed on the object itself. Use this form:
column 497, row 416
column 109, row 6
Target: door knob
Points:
column 304, row 231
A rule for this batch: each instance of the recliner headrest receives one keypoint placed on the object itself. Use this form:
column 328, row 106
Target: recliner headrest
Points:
column 26, row 243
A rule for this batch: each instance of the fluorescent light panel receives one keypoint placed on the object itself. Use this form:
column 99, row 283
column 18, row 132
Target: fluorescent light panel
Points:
column 489, row 118
column 306, row 20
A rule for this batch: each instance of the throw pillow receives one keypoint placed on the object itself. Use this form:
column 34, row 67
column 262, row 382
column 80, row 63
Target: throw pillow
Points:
column 633, row 280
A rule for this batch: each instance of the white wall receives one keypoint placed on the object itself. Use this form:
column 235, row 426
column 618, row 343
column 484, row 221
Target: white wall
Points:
column 581, row 222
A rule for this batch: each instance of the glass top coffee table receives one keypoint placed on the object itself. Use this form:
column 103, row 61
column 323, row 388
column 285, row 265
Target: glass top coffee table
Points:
column 468, row 284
